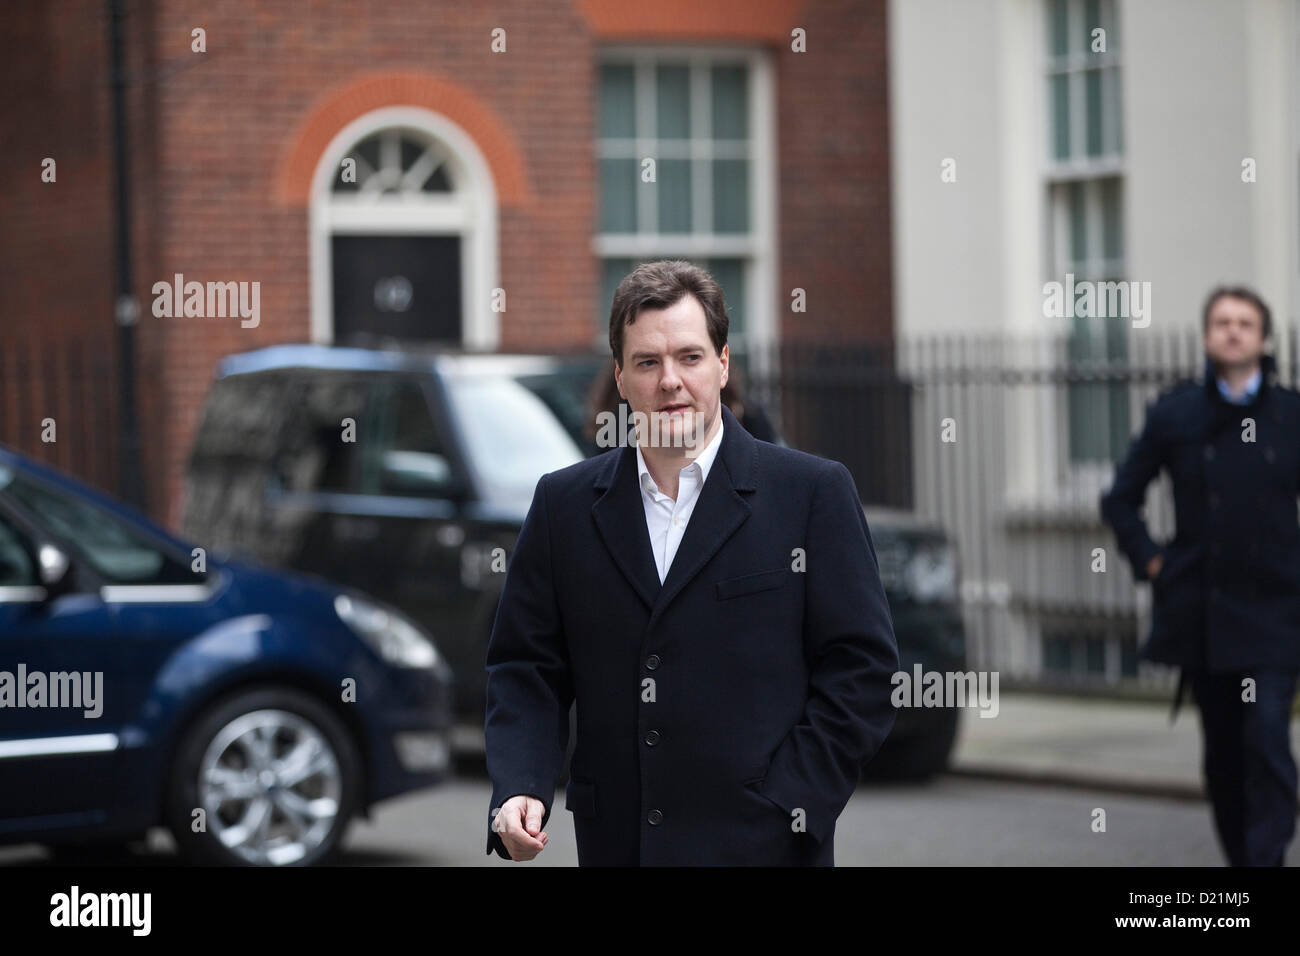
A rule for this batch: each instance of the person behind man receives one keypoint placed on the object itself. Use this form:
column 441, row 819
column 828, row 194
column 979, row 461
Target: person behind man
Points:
column 1226, row 589
column 714, row 605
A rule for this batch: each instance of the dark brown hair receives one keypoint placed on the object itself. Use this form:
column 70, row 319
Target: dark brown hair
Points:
column 1236, row 292
column 661, row 285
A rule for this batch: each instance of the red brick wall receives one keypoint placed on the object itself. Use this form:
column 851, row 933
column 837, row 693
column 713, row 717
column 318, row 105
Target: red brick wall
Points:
column 834, row 175
column 58, row 339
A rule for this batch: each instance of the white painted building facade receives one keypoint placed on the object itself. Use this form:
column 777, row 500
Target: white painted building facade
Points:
column 1023, row 151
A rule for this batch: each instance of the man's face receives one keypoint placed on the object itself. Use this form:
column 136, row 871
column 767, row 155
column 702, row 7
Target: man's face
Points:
column 671, row 374
column 1234, row 337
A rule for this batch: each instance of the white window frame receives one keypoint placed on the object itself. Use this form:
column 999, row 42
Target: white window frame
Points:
column 1083, row 478
column 469, row 211
column 1075, row 64
column 759, row 247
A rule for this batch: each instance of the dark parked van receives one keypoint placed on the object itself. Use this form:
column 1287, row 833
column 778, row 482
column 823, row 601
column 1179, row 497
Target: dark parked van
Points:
column 406, row 476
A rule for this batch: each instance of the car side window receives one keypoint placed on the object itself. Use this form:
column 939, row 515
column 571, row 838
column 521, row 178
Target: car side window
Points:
column 16, row 566
column 115, row 550
column 321, row 448
column 404, row 452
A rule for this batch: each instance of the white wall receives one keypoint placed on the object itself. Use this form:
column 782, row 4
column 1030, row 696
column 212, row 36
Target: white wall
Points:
column 943, row 83
column 1205, row 83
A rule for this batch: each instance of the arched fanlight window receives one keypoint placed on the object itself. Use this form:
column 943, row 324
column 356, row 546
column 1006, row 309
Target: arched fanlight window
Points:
column 403, row 234
column 395, row 161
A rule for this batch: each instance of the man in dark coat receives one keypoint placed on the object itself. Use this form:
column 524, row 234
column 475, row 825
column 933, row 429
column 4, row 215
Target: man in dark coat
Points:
column 713, row 604
column 1226, row 590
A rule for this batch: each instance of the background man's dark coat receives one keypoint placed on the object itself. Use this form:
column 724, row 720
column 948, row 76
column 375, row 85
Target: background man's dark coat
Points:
column 712, row 707
column 1228, row 595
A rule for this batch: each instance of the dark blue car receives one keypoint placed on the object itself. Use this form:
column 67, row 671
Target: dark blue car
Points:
column 144, row 682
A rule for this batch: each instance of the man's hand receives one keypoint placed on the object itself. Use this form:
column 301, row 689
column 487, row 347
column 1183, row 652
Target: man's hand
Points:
column 519, row 824
column 1154, row 566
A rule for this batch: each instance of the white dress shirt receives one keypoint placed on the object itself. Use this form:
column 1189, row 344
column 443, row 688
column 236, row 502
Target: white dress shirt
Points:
column 666, row 519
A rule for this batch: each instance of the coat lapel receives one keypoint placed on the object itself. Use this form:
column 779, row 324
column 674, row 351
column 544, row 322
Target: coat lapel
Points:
column 620, row 516
column 628, row 541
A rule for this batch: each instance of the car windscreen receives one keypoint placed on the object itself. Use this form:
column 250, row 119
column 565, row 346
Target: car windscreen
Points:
column 512, row 437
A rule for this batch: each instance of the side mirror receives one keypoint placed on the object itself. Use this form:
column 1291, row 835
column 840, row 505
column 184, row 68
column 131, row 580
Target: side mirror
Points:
column 420, row 474
column 54, row 566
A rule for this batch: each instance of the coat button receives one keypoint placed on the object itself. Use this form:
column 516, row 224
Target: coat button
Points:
column 1209, row 452
column 654, row 818
column 652, row 738
column 652, row 662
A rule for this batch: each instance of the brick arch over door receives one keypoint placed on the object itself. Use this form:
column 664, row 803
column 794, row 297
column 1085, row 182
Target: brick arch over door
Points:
column 375, row 91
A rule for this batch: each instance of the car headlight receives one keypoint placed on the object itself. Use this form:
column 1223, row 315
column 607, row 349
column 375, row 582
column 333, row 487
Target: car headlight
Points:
column 391, row 636
column 931, row 573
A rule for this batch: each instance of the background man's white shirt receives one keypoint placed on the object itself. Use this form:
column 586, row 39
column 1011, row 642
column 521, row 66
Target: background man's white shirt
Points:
column 666, row 519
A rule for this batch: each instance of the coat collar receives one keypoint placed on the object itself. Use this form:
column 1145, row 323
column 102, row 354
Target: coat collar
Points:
column 1267, row 371
column 620, row 515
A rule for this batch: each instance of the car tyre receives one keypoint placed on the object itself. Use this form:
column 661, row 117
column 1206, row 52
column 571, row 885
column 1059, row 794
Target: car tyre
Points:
column 278, row 776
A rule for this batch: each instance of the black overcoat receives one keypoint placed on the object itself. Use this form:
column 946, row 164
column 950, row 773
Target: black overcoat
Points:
column 724, row 716
column 1227, row 597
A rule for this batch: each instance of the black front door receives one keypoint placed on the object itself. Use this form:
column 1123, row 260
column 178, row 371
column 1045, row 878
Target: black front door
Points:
column 403, row 287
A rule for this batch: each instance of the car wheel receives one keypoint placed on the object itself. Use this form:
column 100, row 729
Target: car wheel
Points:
column 276, row 775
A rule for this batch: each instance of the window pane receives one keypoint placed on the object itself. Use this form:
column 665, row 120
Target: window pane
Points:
column 1058, row 27
column 674, row 189
column 1128, row 657
column 411, row 151
column 515, row 439
column 1091, row 21
column 438, row 182
column 368, row 149
column 1095, row 648
column 1087, row 400
column 1056, row 654
column 1092, row 97
column 1112, row 219
column 1110, row 23
column 324, row 461
column 16, row 567
column 730, row 195
column 730, row 275
column 618, row 183
column 617, row 102
column 1078, row 228
column 352, row 183
column 1117, row 396
column 673, row 96
column 730, row 102
column 110, row 545
column 1061, row 116
column 1111, row 104
column 405, row 454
